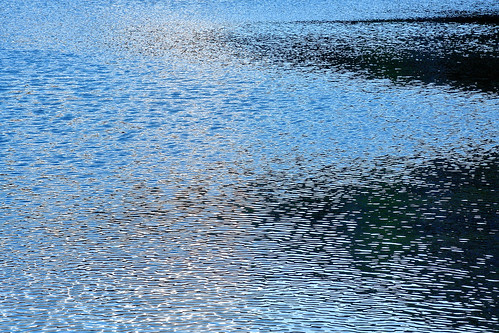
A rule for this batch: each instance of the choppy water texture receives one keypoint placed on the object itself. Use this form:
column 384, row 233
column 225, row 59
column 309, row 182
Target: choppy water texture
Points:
column 222, row 166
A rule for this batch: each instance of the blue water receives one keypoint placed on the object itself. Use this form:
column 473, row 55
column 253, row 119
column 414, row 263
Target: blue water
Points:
column 222, row 166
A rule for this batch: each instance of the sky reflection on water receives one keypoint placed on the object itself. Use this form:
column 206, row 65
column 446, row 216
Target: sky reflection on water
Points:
column 260, row 171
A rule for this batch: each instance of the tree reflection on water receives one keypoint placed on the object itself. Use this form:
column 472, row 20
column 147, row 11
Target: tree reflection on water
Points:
column 427, row 234
column 460, row 51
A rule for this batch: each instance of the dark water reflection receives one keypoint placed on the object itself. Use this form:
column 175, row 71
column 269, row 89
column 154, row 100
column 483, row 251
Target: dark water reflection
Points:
column 159, row 173
column 457, row 51
column 426, row 239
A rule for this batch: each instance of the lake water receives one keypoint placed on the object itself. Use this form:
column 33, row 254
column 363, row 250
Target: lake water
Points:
column 244, row 166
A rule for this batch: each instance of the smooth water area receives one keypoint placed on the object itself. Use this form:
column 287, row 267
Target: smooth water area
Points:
column 223, row 166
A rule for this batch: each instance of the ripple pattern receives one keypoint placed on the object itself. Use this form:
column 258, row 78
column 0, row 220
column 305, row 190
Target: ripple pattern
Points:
column 217, row 167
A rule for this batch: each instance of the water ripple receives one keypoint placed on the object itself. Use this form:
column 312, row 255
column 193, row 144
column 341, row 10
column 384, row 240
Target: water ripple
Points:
column 312, row 173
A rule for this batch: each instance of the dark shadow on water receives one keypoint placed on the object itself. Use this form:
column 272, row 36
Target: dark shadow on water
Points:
column 451, row 17
column 460, row 51
column 434, row 224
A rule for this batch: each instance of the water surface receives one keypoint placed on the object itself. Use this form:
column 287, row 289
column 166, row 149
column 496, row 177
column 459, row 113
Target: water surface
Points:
column 219, row 166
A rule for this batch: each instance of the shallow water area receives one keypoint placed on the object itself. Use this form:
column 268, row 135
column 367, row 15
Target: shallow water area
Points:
column 215, row 166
